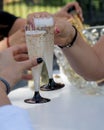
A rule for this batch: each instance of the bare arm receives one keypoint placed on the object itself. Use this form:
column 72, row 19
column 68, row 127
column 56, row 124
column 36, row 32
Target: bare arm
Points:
column 4, row 100
column 87, row 61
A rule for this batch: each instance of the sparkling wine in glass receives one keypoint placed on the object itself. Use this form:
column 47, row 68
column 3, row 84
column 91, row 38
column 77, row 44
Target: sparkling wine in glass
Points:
column 47, row 24
column 35, row 44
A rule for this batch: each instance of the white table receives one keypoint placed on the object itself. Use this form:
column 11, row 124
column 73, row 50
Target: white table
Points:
column 68, row 109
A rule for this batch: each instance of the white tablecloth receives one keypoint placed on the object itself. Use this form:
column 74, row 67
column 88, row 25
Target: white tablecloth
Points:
column 68, row 109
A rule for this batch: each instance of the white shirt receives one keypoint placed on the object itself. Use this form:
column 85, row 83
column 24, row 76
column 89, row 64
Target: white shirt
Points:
column 14, row 118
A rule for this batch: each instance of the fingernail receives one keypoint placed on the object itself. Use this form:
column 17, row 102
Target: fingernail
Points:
column 57, row 30
column 39, row 60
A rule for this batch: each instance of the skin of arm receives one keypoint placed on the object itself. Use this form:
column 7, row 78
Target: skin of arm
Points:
column 4, row 100
column 86, row 60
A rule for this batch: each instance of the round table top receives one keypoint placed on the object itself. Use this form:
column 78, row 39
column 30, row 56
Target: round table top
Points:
column 69, row 109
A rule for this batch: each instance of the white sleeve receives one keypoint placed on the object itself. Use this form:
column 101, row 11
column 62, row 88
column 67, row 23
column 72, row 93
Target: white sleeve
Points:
column 14, row 118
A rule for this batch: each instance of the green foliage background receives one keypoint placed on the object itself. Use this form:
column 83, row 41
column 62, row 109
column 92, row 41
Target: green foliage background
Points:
column 23, row 7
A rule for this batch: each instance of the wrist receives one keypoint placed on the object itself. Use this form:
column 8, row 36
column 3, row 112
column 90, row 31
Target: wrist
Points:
column 71, row 39
column 4, row 85
column 8, row 78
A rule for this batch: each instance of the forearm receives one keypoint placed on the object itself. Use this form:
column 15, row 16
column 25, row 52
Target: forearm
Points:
column 84, row 60
column 4, row 100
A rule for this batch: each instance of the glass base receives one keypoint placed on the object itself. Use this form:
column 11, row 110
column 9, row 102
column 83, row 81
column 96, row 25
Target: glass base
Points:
column 52, row 85
column 37, row 99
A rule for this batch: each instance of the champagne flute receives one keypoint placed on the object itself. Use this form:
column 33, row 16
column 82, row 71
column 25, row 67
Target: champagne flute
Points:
column 35, row 44
column 48, row 25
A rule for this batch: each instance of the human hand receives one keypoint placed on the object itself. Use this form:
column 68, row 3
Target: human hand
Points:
column 63, row 31
column 17, row 38
column 10, row 69
column 64, row 11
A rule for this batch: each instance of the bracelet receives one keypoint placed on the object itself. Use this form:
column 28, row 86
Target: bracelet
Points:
column 6, row 84
column 8, row 45
column 73, row 40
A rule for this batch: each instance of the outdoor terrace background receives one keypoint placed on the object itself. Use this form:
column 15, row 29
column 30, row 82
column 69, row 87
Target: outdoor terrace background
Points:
column 93, row 10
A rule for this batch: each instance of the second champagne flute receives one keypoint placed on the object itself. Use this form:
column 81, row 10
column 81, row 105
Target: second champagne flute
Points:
column 35, row 44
